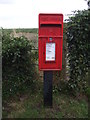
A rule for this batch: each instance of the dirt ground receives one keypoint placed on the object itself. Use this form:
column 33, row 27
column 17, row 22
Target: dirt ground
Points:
column 30, row 36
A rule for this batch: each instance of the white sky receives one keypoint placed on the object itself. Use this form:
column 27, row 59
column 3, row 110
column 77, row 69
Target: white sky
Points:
column 24, row 13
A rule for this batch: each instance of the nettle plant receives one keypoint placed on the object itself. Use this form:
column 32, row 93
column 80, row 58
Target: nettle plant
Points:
column 78, row 30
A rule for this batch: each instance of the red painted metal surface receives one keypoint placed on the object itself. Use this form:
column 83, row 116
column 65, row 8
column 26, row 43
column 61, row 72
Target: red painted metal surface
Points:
column 50, row 31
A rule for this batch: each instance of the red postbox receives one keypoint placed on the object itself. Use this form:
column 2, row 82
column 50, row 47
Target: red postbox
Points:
column 50, row 43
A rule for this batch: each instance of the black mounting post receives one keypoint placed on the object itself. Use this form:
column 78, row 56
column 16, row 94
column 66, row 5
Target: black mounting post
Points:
column 48, row 78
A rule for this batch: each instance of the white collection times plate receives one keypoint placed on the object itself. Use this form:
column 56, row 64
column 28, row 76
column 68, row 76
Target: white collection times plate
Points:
column 50, row 51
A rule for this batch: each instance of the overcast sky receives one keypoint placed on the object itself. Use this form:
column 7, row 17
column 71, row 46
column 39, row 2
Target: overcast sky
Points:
column 24, row 13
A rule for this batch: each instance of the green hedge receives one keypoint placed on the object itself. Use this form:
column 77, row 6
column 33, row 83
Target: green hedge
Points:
column 18, row 71
column 78, row 30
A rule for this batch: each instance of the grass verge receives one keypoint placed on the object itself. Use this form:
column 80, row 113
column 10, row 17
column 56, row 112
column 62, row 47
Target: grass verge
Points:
column 31, row 106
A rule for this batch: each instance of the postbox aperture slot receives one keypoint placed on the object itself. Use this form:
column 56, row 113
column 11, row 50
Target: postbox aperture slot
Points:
column 50, row 25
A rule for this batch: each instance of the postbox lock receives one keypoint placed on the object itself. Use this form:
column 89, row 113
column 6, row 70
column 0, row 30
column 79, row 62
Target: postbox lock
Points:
column 50, row 38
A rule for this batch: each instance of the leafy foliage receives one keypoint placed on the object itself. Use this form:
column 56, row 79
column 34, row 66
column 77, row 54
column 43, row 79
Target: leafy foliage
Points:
column 78, row 29
column 17, row 65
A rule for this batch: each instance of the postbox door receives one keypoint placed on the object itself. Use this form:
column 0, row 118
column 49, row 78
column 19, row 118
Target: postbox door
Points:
column 51, row 52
